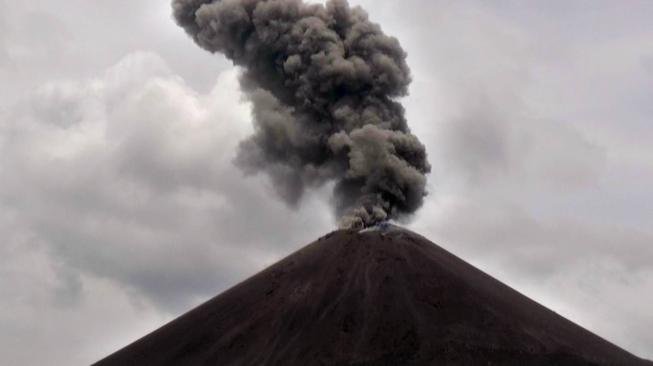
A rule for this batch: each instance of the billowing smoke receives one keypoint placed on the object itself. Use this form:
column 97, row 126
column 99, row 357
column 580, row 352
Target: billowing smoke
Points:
column 323, row 81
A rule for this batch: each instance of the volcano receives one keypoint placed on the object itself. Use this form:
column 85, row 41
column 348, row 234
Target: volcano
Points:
column 385, row 296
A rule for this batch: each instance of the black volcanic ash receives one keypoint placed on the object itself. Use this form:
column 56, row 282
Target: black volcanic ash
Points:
column 323, row 81
column 377, row 297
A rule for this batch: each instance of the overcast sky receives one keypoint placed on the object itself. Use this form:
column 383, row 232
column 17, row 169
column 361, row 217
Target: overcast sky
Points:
column 120, row 207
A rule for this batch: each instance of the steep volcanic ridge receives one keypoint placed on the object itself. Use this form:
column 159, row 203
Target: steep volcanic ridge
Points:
column 376, row 297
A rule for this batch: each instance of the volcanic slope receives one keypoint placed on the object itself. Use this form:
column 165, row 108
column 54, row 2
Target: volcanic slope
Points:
column 371, row 298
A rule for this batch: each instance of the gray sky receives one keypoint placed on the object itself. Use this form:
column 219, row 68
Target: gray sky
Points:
column 120, row 207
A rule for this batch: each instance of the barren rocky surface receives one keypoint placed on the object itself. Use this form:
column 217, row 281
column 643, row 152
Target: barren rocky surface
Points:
column 378, row 297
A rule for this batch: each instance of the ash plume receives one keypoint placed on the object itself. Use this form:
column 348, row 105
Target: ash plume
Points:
column 323, row 81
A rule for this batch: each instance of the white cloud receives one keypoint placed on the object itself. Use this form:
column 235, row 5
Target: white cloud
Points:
column 125, row 183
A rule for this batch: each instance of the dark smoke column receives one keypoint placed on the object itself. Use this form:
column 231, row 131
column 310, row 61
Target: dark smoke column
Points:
column 323, row 82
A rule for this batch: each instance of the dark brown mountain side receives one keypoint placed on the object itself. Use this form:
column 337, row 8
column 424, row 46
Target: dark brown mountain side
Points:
column 377, row 297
